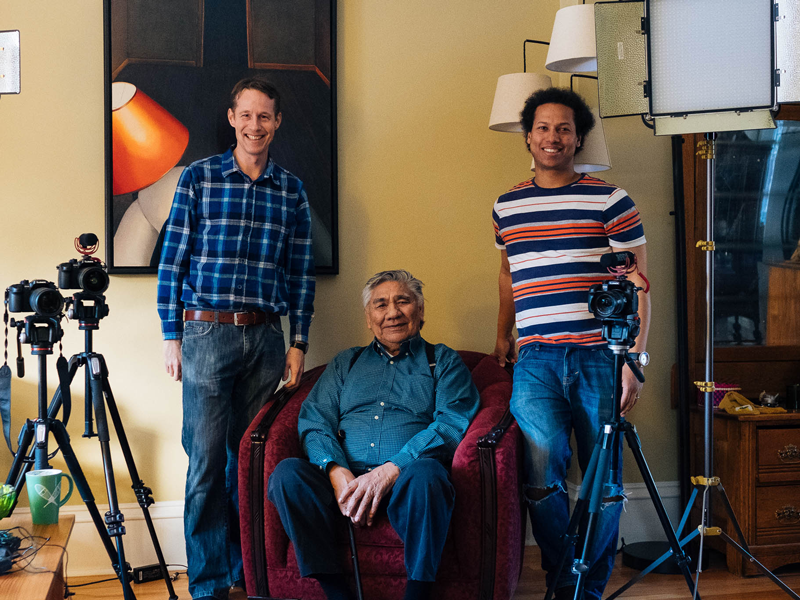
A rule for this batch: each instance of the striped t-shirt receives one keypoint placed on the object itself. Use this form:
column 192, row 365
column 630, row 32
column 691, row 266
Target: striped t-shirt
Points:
column 554, row 238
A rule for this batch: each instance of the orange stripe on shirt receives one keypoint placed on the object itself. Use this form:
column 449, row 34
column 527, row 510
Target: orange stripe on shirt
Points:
column 587, row 339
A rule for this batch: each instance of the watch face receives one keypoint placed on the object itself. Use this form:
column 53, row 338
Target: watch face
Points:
column 644, row 358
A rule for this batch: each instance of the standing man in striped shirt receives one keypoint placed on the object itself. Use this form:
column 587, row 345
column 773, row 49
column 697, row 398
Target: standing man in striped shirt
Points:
column 237, row 256
column 551, row 231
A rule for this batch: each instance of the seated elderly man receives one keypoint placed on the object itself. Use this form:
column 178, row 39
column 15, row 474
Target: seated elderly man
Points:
column 380, row 427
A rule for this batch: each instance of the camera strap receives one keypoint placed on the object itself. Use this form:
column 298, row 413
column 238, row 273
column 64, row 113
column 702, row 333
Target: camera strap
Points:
column 5, row 402
column 5, row 383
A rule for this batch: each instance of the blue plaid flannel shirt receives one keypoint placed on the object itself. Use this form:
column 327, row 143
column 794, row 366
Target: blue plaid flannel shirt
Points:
column 233, row 244
column 390, row 408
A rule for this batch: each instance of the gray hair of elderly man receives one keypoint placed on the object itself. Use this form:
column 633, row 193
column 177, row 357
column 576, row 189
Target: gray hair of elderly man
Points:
column 412, row 283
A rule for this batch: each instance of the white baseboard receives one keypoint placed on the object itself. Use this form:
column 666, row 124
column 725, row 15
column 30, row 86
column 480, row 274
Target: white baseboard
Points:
column 87, row 555
column 639, row 522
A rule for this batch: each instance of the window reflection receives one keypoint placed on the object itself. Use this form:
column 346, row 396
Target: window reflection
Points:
column 757, row 232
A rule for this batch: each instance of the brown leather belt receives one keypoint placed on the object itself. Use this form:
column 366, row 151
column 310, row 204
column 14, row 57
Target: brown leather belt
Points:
column 240, row 318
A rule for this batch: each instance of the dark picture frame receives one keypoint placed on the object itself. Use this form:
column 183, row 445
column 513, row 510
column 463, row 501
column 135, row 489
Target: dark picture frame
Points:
column 186, row 55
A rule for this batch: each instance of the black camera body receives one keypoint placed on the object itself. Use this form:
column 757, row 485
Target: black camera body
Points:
column 86, row 274
column 614, row 299
column 37, row 296
column 615, row 303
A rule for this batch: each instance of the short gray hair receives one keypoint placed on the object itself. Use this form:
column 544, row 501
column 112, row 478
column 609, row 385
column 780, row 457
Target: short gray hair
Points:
column 411, row 282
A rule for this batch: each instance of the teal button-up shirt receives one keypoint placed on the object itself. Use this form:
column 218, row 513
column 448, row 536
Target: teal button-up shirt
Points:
column 390, row 408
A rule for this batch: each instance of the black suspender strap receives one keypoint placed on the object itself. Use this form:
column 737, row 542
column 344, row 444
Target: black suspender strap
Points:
column 430, row 351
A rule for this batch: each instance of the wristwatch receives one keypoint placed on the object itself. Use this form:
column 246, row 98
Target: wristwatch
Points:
column 300, row 346
column 642, row 360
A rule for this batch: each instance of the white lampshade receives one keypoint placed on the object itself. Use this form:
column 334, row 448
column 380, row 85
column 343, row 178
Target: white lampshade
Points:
column 510, row 96
column 594, row 156
column 572, row 45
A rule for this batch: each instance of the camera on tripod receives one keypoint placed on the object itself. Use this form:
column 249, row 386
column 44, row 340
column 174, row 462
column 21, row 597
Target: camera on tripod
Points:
column 37, row 296
column 87, row 274
column 615, row 303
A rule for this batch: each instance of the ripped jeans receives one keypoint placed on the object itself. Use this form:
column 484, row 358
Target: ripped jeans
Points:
column 557, row 390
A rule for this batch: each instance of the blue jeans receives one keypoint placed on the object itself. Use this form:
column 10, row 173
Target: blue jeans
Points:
column 229, row 372
column 558, row 390
column 420, row 506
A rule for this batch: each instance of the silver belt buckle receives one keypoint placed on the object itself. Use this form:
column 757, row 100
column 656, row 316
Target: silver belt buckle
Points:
column 236, row 319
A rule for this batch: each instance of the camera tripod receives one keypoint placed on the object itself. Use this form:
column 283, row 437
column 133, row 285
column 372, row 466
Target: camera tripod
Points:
column 600, row 472
column 98, row 397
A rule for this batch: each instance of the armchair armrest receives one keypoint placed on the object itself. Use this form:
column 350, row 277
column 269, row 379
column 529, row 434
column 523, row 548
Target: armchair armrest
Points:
column 486, row 467
column 271, row 437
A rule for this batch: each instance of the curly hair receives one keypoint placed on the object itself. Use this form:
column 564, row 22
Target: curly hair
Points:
column 584, row 119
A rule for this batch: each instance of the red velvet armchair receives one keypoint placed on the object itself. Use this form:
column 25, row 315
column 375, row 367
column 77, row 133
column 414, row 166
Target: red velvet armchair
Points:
column 482, row 558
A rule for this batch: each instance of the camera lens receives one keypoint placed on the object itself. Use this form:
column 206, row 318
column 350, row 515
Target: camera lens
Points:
column 46, row 301
column 93, row 280
column 608, row 304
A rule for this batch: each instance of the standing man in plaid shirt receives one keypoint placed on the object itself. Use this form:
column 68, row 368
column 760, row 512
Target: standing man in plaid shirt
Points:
column 237, row 256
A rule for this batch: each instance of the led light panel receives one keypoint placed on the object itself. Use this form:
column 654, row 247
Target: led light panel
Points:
column 709, row 55
column 787, row 41
column 724, row 121
column 9, row 62
column 621, row 66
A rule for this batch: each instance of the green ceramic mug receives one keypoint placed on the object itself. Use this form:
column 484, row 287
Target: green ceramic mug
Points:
column 44, row 493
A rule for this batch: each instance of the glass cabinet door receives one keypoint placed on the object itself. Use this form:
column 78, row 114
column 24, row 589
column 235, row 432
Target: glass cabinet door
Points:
column 757, row 232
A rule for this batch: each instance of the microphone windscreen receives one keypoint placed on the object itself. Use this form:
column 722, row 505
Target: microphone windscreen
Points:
column 616, row 259
column 87, row 240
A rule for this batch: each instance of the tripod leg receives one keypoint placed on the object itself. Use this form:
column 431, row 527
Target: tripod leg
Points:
column 62, row 439
column 680, row 557
column 16, row 475
column 114, row 517
column 760, row 567
column 732, row 517
column 609, row 438
column 654, row 565
column 686, row 513
column 20, row 466
column 143, row 493
column 571, row 535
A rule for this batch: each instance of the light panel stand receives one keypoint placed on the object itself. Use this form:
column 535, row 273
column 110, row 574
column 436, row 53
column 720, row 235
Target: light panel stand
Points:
column 708, row 483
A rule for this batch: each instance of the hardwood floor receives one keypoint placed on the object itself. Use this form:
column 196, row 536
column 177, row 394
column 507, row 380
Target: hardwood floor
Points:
column 715, row 582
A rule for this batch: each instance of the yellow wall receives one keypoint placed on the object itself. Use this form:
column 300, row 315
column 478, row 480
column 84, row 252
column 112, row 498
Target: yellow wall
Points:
column 419, row 171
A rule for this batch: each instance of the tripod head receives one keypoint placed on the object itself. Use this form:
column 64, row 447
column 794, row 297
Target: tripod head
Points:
column 40, row 332
column 88, row 309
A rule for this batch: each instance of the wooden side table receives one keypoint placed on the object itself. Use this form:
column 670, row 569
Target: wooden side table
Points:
column 32, row 584
column 757, row 458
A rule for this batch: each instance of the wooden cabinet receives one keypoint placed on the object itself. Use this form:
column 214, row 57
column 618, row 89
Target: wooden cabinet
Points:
column 757, row 458
column 783, row 309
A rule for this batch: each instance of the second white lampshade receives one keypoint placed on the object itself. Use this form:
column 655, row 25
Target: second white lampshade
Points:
column 572, row 45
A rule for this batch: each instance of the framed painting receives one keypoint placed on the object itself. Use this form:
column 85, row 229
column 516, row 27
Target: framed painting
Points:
column 170, row 67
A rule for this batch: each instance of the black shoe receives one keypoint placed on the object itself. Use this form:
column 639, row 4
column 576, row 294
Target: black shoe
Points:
column 565, row 593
